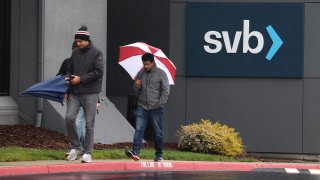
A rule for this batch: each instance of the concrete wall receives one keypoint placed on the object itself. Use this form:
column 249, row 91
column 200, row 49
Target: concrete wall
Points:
column 24, row 56
column 271, row 114
column 41, row 38
column 311, row 81
column 60, row 20
column 9, row 114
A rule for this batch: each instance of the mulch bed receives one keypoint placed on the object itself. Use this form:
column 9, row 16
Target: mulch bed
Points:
column 42, row 138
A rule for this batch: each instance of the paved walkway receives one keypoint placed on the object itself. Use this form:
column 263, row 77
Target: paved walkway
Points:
column 38, row 167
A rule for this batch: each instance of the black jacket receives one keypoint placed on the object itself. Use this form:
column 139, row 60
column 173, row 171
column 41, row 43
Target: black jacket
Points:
column 63, row 67
column 88, row 64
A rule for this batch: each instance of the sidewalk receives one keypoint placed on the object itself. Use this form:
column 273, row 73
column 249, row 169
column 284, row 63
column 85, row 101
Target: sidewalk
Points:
column 42, row 167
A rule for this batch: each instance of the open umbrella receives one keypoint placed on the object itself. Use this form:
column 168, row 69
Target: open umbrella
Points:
column 130, row 59
column 53, row 89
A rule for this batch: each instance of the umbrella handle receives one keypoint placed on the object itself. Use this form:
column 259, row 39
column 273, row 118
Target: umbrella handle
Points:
column 70, row 79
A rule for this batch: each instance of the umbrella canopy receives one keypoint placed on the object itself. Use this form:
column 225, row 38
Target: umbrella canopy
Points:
column 130, row 59
column 53, row 89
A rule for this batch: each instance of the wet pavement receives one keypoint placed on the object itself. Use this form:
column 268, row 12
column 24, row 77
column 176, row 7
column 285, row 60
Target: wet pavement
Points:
column 185, row 175
column 148, row 169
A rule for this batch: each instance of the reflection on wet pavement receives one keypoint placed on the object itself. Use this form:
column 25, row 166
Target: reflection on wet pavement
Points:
column 206, row 175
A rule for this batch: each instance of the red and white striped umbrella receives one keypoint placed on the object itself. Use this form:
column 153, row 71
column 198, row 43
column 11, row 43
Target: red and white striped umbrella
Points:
column 130, row 59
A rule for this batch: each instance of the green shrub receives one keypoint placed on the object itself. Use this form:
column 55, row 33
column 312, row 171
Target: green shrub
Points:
column 214, row 138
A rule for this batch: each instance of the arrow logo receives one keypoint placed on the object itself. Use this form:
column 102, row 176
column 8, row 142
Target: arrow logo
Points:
column 277, row 42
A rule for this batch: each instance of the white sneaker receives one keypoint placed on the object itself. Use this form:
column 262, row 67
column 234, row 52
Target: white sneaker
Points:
column 73, row 154
column 86, row 158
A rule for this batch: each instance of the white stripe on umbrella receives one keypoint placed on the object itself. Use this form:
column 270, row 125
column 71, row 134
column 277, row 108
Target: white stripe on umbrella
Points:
column 133, row 52
column 163, row 67
column 161, row 54
column 132, row 65
column 142, row 46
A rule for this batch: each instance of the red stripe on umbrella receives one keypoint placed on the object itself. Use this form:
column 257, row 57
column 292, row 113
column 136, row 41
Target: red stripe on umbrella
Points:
column 130, row 59
column 153, row 50
column 128, row 51
column 169, row 65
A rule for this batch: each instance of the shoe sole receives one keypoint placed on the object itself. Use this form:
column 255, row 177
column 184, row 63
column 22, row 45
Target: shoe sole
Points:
column 86, row 161
column 134, row 157
column 65, row 156
column 71, row 159
column 158, row 159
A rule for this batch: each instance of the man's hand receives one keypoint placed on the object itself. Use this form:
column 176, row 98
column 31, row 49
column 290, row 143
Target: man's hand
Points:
column 75, row 80
column 137, row 83
column 66, row 97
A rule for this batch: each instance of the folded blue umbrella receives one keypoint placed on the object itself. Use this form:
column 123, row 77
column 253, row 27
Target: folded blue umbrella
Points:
column 53, row 89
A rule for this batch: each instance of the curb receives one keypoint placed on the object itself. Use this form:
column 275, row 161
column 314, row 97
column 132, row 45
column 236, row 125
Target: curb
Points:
column 290, row 170
column 149, row 166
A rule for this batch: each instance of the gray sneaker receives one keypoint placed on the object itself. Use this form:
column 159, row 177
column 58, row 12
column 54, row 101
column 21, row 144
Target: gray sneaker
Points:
column 158, row 159
column 73, row 154
column 86, row 158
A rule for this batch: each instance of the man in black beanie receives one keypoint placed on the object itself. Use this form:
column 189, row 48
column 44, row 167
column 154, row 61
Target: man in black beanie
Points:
column 85, row 72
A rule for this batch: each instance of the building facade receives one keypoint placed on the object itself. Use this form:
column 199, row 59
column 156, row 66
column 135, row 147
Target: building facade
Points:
column 220, row 48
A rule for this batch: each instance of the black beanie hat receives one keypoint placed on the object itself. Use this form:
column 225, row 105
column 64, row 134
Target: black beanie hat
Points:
column 82, row 33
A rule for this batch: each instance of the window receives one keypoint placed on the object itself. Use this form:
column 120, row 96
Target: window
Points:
column 5, row 47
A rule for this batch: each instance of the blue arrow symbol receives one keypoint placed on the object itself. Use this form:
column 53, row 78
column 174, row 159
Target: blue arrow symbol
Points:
column 277, row 42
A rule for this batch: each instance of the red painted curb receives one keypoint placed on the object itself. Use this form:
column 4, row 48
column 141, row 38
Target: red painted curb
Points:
column 12, row 170
column 100, row 166
column 207, row 166
column 288, row 165
column 148, row 166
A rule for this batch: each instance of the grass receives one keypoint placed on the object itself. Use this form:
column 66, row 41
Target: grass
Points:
column 11, row 154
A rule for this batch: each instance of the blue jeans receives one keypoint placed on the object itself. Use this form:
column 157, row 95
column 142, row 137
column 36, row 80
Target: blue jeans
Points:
column 142, row 118
column 81, row 126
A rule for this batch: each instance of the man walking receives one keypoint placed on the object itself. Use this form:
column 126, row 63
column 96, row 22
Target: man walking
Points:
column 152, row 88
column 80, row 120
column 85, row 72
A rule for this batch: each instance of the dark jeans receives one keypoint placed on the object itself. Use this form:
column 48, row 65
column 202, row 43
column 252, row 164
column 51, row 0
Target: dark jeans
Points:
column 142, row 117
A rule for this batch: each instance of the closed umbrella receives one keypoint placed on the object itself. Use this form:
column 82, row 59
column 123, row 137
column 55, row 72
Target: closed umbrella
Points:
column 52, row 89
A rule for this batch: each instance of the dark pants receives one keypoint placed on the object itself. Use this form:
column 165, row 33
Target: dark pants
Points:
column 142, row 117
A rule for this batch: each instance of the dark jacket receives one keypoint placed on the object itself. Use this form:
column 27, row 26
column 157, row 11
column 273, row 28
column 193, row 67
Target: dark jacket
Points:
column 88, row 64
column 63, row 70
column 154, row 89
column 64, row 67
